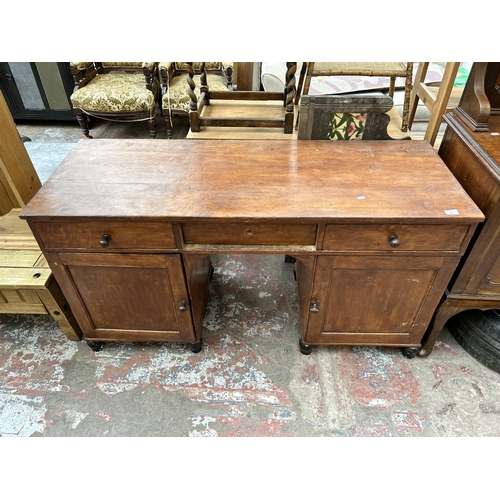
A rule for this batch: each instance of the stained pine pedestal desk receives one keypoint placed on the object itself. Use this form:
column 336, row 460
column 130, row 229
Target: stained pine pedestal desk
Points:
column 376, row 228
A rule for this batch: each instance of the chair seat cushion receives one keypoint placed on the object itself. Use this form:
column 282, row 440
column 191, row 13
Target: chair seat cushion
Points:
column 115, row 93
column 177, row 96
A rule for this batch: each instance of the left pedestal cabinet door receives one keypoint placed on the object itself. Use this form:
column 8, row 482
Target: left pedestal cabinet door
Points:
column 127, row 297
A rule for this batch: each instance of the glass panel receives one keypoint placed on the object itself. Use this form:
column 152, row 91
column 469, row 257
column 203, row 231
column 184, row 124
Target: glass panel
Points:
column 26, row 85
column 53, row 85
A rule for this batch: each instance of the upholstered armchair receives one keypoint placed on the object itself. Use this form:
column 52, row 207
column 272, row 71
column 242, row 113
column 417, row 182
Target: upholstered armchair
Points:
column 116, row 91
column 179, row 80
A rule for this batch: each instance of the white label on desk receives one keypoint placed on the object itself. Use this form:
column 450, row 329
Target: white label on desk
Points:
column 452, row 212
column 495, row 133
column 361, row 197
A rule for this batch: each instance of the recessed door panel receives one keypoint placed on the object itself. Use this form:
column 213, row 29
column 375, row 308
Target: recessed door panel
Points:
column 371, row 300
column 132, row 297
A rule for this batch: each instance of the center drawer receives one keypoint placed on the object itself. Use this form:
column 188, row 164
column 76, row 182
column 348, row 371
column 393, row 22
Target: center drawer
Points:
column 395, row 237
column 106, row 235
column 214, row 233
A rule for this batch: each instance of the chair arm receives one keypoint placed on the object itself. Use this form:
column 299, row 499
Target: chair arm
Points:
column 82, row 72
column 150, row 70
column 149, row 66
column 227, row 69
column 166, row 69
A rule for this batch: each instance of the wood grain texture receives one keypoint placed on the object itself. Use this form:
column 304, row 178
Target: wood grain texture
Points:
column 333, row 205
column 15, row 233
column 220, row 233
column 249, row 180
column 130, row 296
column 124, row 235
column 18, row 178
column 373, row 237
column 474, row 159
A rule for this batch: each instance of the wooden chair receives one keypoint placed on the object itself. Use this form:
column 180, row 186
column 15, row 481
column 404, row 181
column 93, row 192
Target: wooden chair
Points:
column 27, row 285
column 116, row 91
column 202, row 116
column 438, row 100
column 387, row 69
column 361, row 116
column 174, row 77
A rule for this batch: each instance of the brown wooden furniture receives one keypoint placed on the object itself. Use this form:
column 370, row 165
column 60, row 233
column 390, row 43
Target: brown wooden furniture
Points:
column 377, row 228
column 438, row 100
column 27, row 285
column 361, row 116
column 244, row 75
column 116, row 91
column 18, row 178
column 389, row 69
column 178, row 78
column 198, row 102
column 474, row 159
column 482, row 98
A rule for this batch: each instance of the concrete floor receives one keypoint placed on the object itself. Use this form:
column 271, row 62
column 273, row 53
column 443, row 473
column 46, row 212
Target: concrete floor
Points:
column 250, row 378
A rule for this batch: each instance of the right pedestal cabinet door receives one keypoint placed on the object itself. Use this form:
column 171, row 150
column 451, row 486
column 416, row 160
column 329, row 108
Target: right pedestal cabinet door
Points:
column 375, row 300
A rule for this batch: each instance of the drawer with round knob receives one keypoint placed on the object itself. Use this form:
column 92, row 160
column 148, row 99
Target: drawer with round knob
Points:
column 249, row 233
column 394, row 237
column 106, row 235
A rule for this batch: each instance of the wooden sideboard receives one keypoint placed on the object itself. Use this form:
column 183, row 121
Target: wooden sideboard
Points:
column 377, row 229
column 471, row 150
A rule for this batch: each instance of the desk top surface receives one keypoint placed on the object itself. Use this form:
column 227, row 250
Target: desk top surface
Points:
column 245, row 180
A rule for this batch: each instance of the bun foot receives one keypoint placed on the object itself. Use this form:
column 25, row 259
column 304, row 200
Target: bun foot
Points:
column 304, row 348
column 95, row 346
column 196, row 347
column 410, row 352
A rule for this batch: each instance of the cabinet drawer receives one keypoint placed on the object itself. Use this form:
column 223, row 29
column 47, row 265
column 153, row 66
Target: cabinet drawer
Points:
column 377, row 237
column 124, row 235
column 214, row 233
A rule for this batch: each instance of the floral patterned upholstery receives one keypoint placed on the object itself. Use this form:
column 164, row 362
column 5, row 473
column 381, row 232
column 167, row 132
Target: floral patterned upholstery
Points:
column 347, row 126
column 177, row 97
column 149, row 65
column 81, row 65
column 208, row 65
column 115, row 93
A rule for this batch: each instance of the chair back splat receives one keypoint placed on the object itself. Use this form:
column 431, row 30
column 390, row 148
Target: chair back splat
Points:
column 345, row 117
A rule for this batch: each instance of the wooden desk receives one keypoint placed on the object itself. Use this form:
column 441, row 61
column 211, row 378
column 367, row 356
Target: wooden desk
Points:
column 377, row 229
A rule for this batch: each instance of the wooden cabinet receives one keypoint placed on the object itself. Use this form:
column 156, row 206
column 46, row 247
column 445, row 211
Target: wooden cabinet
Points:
column 375, row 300
column 38, row 90
column 376, row 228
column 471, row 150
column 125, row 297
